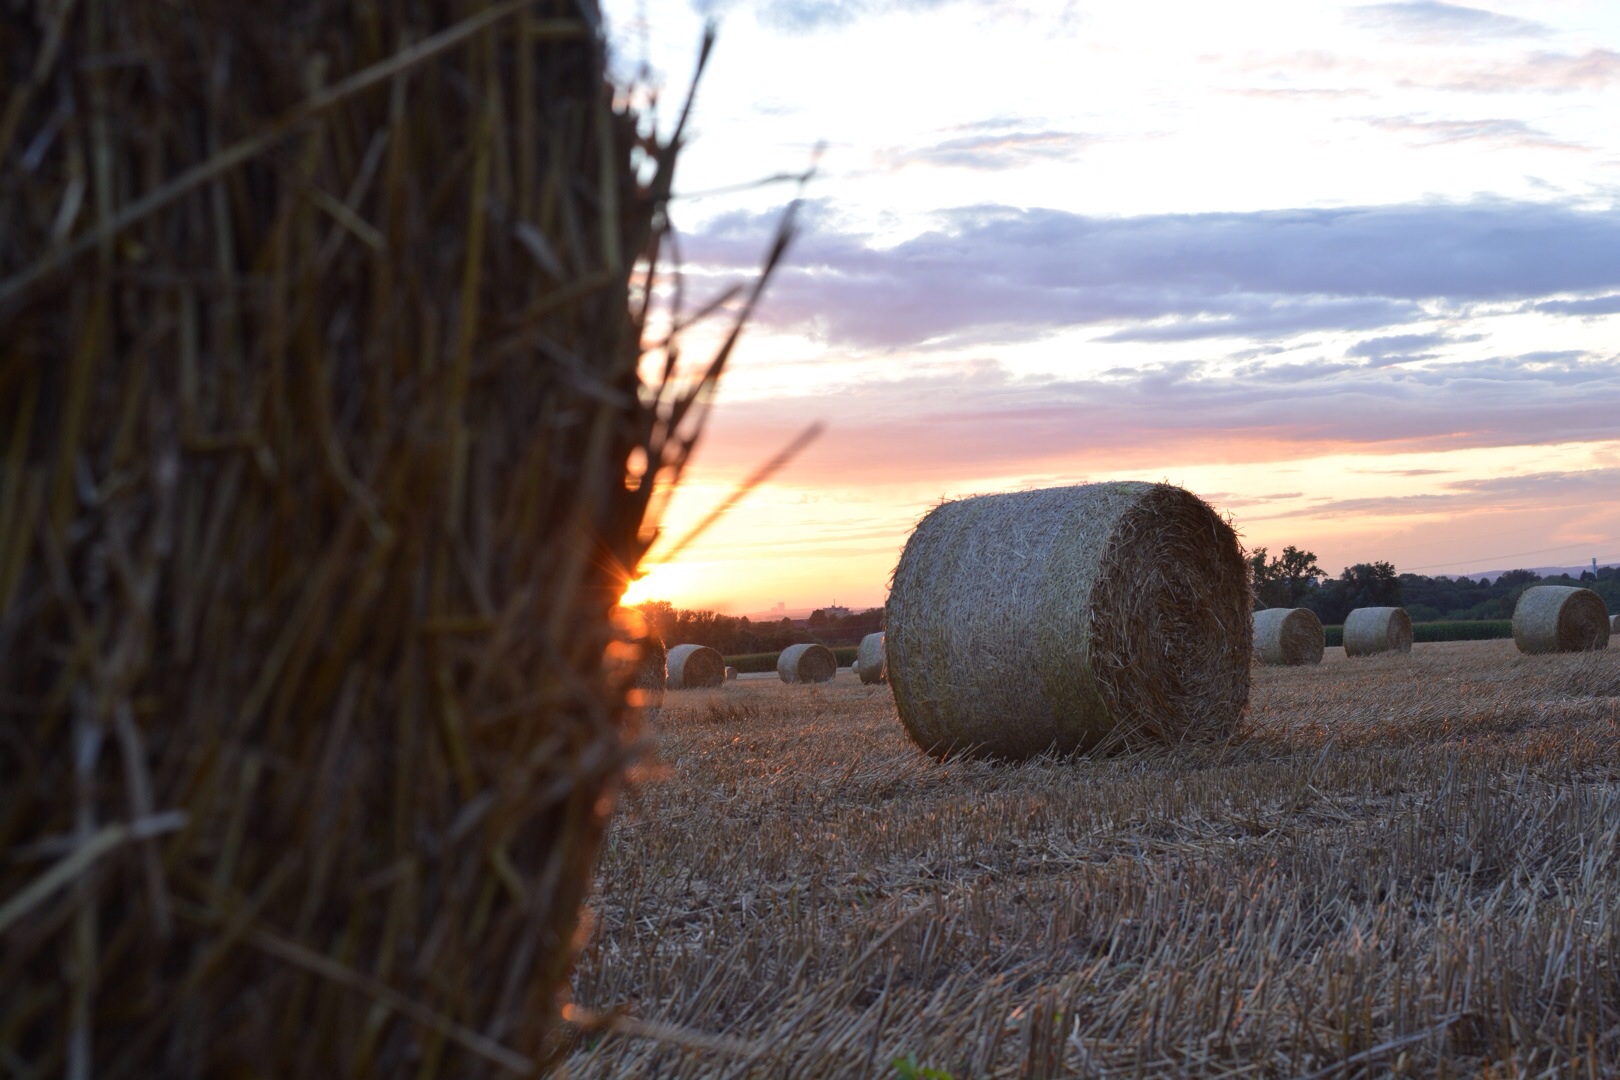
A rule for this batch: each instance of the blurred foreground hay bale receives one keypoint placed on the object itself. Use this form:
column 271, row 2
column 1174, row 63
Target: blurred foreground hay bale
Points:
column 318, row 385
column 1288, row 636
column 1560, row 618
column 1372, row 630
column 870, row 662
column 1069, row 619
column 695, row 667
column 807, row 663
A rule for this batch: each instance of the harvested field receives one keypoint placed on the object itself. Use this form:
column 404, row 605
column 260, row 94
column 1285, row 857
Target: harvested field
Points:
column 1405, row 865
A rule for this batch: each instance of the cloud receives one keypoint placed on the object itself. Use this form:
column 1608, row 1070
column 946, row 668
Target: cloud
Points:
column 923, row 421
column 992, row 274
column 1593, row 71
column 992, row 151
column 1269, row 317
column 1495, row 493
column 1496, row 131
column 1595, row 305
column 1380, row 348
column 809, row 16
column 1430, row 20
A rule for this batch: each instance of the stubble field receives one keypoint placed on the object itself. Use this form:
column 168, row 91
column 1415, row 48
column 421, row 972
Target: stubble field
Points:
column 1405, row 865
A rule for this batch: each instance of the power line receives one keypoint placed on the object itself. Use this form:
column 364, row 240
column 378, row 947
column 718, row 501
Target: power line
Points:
column 1517, row 554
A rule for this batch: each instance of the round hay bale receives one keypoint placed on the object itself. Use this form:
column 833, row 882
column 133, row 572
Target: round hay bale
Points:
column 1614, row 625
column 731, row 673
column 1560, row 618
column 1069, row 619
column 870, row 663
column 1372, row 630
column 694, row 667
column 807, row 664
column 1288, row 636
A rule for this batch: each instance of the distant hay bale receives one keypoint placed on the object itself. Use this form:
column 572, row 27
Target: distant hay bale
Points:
column 1069, row 619
column 694, row 667
column 1288, row 636
column 807, row 664
column 1614, row 625
column 870, row 663
column 1560, row 618
column 731, row 673
column 1372, row 630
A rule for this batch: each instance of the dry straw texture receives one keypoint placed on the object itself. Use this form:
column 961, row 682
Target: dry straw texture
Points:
column 318, row 386
column 806, row 664
column 693, row 667
column 1372, row 630
column 1288, row 636
column 870, row 663
column 1405, row 868
column 1069, row 619
column 1560, row 618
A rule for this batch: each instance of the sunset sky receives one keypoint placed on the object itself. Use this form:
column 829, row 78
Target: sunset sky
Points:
column 1350, row 272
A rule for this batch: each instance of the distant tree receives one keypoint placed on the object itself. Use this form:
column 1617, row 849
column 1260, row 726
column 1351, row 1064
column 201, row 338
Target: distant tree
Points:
column 1362, row 585
column 1283, row 581
column 1371, row 585
column 661, row 618
column 1517, row 577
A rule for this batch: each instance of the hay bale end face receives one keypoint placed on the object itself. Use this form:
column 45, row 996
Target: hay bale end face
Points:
column 870, row 663
column 1288, row 637
column 695, row 667
column 1372, row 630
column 1560, row 618
column 1069, row 619
column 807, row 664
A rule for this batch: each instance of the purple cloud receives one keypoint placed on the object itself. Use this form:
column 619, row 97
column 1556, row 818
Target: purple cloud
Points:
column 992, row 151
column 1497, row 131
column 989, row 274
column 930, row 421
column 1431, row 20
column 1596, row 305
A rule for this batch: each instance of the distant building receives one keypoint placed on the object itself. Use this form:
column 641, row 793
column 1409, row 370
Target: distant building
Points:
column 836, row 612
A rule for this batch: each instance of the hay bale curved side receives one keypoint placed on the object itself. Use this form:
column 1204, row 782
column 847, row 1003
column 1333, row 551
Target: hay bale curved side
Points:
column 1288, row 637
column 870, row 663
column 695, row 667
column 1371, row 630
column 731, row 673
column 1560, row 618
column 807, row 664
column 1069, row 619
column 1614, row 625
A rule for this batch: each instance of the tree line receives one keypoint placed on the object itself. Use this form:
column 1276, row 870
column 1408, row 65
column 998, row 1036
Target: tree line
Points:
column 1294, row 579
column 735, row 635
